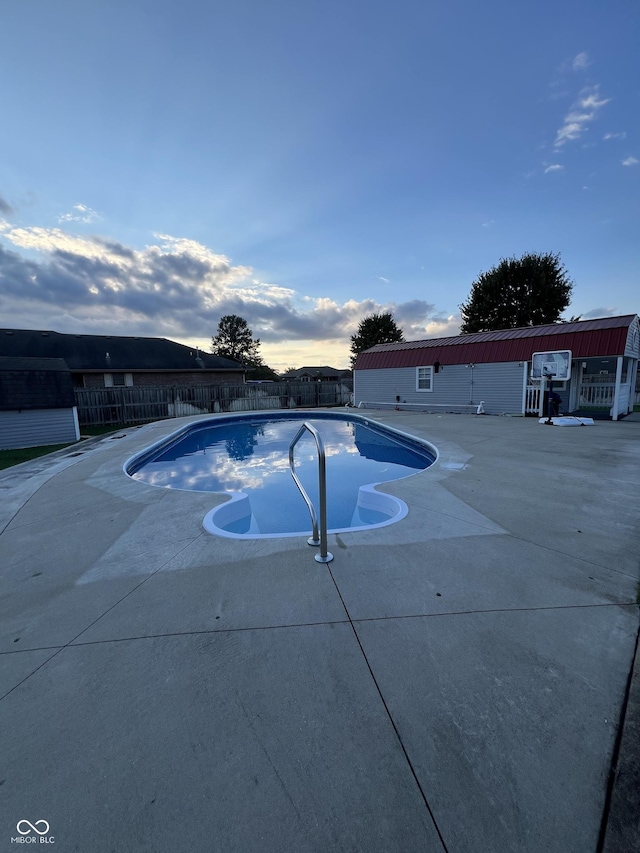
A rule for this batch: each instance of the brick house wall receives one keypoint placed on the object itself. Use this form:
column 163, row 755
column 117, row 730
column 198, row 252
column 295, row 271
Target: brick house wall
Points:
column 170, row 379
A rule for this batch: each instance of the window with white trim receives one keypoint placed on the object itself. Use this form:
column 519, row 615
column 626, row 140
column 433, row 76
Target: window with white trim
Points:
column 424, row 378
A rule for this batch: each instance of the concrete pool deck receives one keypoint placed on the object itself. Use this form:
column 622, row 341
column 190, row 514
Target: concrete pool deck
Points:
column 453, row 682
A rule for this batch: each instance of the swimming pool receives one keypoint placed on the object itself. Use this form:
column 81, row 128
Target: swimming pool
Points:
column 246, row 456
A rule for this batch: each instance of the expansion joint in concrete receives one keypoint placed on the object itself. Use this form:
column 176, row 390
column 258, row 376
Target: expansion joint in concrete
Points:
column 604, row 844
column 390, row 716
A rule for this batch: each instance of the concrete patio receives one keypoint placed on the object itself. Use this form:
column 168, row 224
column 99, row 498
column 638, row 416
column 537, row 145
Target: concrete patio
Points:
column 453, row 682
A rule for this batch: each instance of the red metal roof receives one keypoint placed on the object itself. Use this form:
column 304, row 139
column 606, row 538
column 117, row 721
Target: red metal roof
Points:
column 585, row 338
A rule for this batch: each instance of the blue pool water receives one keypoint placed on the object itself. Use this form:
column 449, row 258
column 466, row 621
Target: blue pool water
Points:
column 247, row 457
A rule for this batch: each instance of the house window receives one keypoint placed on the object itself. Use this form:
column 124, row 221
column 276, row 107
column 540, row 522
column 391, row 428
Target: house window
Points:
column 118, row 379
column 424, row 378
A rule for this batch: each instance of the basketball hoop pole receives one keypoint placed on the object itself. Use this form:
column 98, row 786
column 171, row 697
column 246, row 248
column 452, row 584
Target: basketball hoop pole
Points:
column 548, row 421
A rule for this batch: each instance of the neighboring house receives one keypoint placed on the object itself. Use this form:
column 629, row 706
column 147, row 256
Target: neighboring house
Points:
column 37, row 403
column 494, row 368
column 315, row 374
column 105, row 361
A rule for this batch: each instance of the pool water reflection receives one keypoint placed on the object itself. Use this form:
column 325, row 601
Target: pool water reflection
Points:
column 248, row 457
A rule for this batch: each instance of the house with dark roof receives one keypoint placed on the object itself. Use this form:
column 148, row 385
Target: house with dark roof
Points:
column 317, row 374
column 495, row 368
column 105, row 361
column 37, row 403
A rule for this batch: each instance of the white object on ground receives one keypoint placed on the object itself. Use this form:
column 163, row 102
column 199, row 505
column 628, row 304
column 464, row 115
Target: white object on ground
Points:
column 568, row 421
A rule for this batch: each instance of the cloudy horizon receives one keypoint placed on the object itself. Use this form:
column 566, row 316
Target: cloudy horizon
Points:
column 178, row 288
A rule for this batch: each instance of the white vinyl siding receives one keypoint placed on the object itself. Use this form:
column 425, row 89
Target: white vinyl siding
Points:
column 424, row 378
column 499, row 386
column 632, row 348
column 38, row 427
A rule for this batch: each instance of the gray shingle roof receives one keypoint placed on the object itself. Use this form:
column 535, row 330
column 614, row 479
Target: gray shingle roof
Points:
column 109, row 352
column 324, row 370
column 35, row 383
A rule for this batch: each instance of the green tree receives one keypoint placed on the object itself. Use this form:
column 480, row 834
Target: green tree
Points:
column 375, row 329
column 235, row 340
column 528, row 291
column 263, row 371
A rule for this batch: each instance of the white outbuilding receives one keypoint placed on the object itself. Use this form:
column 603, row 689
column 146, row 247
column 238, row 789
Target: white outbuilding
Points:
column 494, row 368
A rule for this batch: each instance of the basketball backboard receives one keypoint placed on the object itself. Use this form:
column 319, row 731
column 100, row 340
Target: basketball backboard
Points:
column 554, row 365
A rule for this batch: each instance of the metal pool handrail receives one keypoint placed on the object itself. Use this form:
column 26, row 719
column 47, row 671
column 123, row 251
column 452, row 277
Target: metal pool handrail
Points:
column 324, row 556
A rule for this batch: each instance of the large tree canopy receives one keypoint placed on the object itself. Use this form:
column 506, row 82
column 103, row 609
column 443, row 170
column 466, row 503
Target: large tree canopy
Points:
column 376, row 329
column 235, row 340
column 528, row 291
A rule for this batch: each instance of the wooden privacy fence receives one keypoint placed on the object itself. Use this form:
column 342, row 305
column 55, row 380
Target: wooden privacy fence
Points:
column 131, row 405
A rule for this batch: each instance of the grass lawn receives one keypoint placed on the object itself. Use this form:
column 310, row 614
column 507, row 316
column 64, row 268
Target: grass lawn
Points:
column 102, row 430
column 24, row 454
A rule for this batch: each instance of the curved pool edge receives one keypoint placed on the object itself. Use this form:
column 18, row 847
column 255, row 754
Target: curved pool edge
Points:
column 236, row 508
column 233, row 508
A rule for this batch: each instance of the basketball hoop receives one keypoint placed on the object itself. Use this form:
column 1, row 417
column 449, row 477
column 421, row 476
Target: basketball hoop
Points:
column 551, row 365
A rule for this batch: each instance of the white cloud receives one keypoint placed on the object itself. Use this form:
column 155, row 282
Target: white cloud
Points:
column 488, row 223
column 443, row 327
column 79, row 213
column 52, row 240
column 590, row 99
column 583, row 111
column 599, row 312
column 174, row 287
column 386, row 280
column 631, row 161
column 581, row 62
column 554, row 167
column 622, row 135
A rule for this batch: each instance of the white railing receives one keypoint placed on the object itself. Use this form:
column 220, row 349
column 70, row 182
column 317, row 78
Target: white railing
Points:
column 532, row 400
column 599, row 395
column 596, row 395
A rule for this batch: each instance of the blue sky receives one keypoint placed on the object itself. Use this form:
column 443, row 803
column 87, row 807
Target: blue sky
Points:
column 305, row 164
